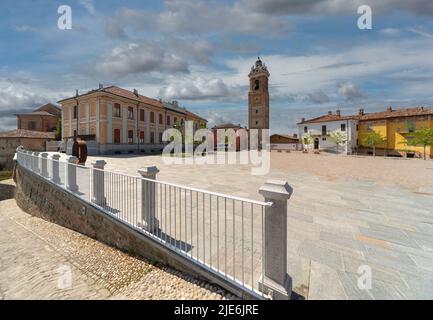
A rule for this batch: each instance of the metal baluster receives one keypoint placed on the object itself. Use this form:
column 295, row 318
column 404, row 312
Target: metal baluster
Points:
column 225, row 235
column 252, row 247
column 218, row 233
column 243, row 250
column 234, row 238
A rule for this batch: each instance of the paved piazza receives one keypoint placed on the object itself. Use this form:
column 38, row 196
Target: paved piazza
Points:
column 37, row 257
column 345, row 212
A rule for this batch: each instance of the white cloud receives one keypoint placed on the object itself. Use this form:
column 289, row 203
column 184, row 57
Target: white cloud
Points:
column 348, row 91
column 89, row 6
column 202, row 89
column 391, row 32
column 136, row 58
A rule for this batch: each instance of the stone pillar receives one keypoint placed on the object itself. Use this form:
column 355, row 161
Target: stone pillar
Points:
column 55, row 168
column 98, row 183
column 71, row 174
column 44, row 164
column 148, row 198
column 276, row 282
column 35, row 166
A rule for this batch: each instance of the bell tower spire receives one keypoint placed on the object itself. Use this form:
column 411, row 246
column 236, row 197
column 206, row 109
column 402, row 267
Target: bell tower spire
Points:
column 258, row 96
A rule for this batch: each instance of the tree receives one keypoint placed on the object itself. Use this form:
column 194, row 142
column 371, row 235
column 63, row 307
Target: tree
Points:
column 338, row 137
column 58, row 131
column 373, row 139
column 308, row 139
column 423, row 138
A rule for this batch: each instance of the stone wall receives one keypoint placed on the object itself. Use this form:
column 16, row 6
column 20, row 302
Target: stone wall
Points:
column 8, row 148
column 45, row 200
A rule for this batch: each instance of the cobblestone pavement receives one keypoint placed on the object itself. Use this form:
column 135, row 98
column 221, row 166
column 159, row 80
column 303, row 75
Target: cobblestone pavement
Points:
column 36, row 258
column 346, row 212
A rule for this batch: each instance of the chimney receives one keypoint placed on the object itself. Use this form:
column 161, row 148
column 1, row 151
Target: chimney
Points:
column 76, row 92
column 136, row 92
column 361, row 112
column 295, row 135
column 389, row 109
column 338, row 112
column 101, row 86
column 303, row 120
column 329, row 113
column 175, row 103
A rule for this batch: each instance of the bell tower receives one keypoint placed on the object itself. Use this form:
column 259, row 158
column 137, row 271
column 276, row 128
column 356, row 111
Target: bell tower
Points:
column 258, row 96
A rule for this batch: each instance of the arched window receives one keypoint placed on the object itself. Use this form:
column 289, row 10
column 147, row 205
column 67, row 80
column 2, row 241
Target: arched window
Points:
column 256, row 85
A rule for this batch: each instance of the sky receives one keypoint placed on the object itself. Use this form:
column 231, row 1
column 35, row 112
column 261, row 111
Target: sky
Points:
column 200, row 53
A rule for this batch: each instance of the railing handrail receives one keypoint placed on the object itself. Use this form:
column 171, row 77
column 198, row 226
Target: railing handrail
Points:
column 217, row 194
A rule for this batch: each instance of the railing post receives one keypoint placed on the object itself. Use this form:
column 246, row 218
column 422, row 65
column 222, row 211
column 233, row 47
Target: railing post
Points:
column 276, row 282
column 71, row 174
column 98, row 183
column 44, row 165
column 35, row 162
column 148, row 198
column 55, row 168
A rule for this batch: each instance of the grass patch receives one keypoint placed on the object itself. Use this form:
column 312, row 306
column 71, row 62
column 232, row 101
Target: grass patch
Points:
column 5, row 175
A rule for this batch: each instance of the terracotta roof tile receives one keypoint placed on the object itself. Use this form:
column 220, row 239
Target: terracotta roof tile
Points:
column 410, row 112
column 20, row 133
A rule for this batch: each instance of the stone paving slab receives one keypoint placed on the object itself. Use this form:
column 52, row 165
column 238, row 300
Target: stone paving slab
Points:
column 32, row 251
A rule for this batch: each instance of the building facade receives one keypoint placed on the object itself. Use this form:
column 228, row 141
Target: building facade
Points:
column 320, row 129
column 394, row 125
column 43, row 119
column 119, row 120
column 258, row 96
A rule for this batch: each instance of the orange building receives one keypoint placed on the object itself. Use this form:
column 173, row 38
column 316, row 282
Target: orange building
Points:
column 119, row 120
column 43, row 119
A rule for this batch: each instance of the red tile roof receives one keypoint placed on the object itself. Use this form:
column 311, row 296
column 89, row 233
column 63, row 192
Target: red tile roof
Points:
column 390, row 113
column 20, row 133
column 328, row 118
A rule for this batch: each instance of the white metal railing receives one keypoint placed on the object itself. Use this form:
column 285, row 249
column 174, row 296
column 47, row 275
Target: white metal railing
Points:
column 222, row 233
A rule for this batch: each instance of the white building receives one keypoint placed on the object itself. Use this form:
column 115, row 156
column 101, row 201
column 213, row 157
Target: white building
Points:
column 320, row 130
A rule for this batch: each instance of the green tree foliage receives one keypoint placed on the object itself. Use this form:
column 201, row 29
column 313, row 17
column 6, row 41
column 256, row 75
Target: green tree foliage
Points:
column 338, row 137
column 374, row 139
column 421, row 138
column 58, row 132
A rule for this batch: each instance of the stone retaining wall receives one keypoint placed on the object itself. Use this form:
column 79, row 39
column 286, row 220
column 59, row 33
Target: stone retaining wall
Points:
column 45, row 200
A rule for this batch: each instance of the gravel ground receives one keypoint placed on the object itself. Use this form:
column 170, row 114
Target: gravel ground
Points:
column 121, row 275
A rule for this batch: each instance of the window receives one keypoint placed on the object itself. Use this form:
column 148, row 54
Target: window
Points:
column 256, row 85
column 31, row 125
column 410, row 124
column 182, row 122
column 75, row 133
column 131, row 113
column 357, row 127
column 152, row 137
column 130, row 136
column 257, row 122
column 323, row 130
column 141, row 136
column 257, row 111
column 160, row 137
column 117, row 110
column 160, row 119
column 75, row 112
column 343, row 127
column 305, row 129
column 116, row 135
column 141, row 115
column 168, row 120
column 175, row 120
column 152, row 117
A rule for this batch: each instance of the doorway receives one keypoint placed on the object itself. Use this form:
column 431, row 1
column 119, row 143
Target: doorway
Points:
column 316, row 144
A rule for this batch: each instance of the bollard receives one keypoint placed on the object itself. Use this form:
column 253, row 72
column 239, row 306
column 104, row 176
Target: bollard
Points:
column 98, row 187
column 44, row 165
column 55, row 168
column 148, row 199
column 71, row 174
column 276, row 282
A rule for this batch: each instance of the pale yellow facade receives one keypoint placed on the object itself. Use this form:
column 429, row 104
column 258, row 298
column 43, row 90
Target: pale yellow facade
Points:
column 119, row 123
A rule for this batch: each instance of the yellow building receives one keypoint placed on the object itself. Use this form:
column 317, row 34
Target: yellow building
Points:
column 113, row 119
column 396, row 126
